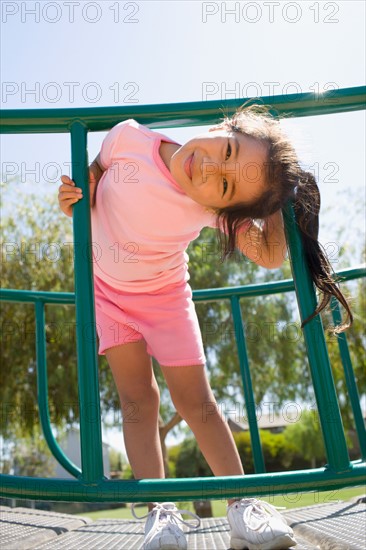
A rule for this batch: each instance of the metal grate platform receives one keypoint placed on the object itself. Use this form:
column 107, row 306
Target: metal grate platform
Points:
column 336, row 526
column 339, row 526
column 128, row 535
column 23, row 528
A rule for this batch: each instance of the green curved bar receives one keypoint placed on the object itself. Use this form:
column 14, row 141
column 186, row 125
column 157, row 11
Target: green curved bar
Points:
column 42, row 394
column 31, row 296
column 320, row 479
column 263, row 289
column 257, row 289
column 321, row 374
column 173, row 115
column 86, row 345
column 258, row 457
column 350, row 380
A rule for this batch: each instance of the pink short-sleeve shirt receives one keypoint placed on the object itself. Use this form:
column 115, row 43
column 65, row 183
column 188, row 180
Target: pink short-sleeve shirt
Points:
column 143, row 221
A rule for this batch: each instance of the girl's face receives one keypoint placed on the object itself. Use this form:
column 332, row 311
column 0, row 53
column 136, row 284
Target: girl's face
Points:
column 220, row 168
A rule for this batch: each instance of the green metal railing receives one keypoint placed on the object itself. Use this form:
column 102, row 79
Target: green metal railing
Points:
column 89, row 483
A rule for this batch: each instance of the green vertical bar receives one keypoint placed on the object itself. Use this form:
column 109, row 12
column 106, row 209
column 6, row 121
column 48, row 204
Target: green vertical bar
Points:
column 247, row 386
column 90, row 425
column 42, row 391
column 350, row 380
column 325, row 394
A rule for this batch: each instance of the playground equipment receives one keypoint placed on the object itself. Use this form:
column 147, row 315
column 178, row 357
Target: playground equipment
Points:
column 90, row 484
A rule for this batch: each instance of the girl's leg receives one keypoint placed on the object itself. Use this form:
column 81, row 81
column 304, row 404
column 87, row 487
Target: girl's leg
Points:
column 193, row 398
column 139, row 395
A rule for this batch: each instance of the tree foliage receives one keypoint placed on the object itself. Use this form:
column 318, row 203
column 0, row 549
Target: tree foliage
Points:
column 356, row 341
column 306, row 436
column 190, row 462
column 37, row 254
column 28, row 456
column 281, row 451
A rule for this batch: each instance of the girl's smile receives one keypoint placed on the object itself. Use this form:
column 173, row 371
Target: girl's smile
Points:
column 220, row 168
column 188, row 166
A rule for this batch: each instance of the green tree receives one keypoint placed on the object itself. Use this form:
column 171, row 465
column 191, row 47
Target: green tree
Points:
column 279, row 453
column 190, row 461
column 37, row 254
column 35, row 257
column 306, row 436
column 356, row 339
column 116, row 460
column 30, row 456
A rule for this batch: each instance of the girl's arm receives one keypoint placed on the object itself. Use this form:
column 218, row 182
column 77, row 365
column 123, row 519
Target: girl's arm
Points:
column 69, row 194
column 266, row 245
column 96, row 170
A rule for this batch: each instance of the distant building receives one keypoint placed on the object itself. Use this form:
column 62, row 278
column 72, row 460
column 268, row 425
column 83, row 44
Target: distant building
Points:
column 274, row 423
column 70, row 444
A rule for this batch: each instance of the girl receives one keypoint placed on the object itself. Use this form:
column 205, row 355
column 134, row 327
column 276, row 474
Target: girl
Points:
column 150, row 199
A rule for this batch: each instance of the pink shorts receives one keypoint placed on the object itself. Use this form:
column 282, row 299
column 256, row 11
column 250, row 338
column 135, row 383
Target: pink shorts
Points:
column 165, row 319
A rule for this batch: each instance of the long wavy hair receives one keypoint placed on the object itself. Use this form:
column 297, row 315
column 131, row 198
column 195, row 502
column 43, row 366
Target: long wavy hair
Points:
column 285, row 180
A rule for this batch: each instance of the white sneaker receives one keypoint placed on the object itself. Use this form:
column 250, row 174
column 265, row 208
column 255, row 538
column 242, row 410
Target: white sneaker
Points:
column 162, row 531
column 257, row 525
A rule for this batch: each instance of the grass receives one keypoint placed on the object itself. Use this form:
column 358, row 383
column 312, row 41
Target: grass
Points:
column 290, row 500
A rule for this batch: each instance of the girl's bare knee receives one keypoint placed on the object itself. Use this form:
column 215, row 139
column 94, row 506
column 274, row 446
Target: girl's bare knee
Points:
column 189, row 389
column 194, row 407
column 146, row 395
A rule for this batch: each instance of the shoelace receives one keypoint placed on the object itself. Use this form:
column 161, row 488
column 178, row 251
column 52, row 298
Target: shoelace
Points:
column 259, row 507
column 169, row 509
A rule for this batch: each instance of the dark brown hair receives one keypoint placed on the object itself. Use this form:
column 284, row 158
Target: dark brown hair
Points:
column 285, row 180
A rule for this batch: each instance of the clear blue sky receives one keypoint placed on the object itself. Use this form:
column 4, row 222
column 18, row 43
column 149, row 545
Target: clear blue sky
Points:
column 114, row 53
